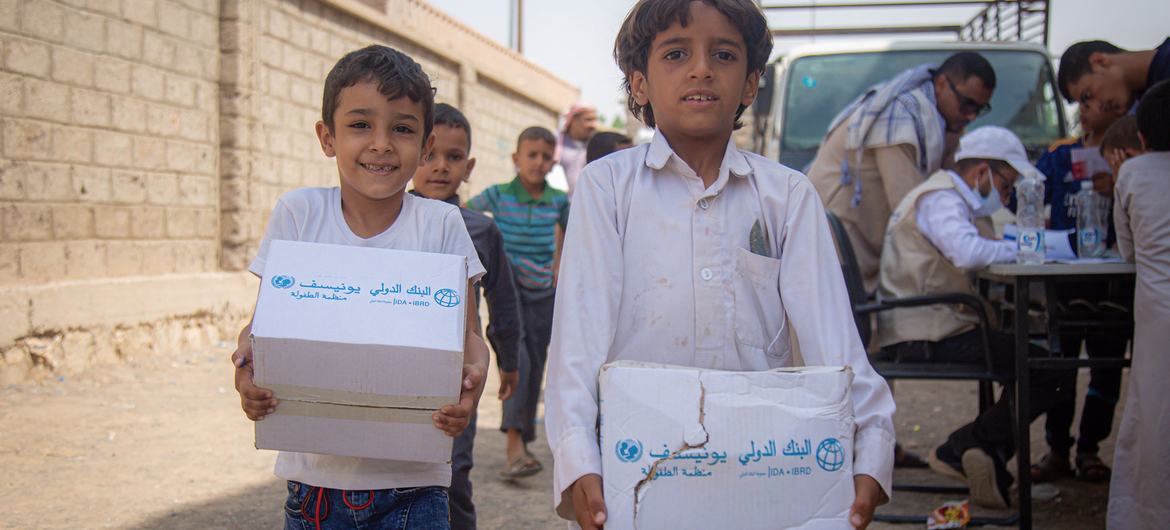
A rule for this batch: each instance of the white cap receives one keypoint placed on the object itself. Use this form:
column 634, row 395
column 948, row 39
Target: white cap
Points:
column 996, row 143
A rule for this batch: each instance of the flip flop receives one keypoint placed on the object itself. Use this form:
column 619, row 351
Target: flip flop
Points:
column 522, row 466
column 909, row 461
column 1090, row 468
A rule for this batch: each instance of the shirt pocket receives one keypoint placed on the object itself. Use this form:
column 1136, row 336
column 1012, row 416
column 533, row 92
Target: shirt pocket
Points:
column 759, row 314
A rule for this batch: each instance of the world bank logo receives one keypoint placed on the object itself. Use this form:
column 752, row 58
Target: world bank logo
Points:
column 830, row 455
column 281, row 281
column 629, row 450
column 447, row 297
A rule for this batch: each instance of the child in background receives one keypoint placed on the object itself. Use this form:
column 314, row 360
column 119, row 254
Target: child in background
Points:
column 532, row 216
column 1120, row 143
column 664, row 233
column 376, row 121
column 1137, row 493
column 449, row 165
column 605, row 143
column 577, row 126
column 1104, row 383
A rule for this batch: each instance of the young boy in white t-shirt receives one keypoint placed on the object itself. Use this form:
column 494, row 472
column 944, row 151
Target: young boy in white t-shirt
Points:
column 376, row 121
column 689, row 251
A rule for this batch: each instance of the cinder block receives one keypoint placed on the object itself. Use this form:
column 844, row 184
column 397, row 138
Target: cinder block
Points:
column 162, row 120
column 112, row 149
column 72, row 221
column 158, row 50
column 73, row 67
column 158, row 257
column 173, row 19
column 129, row 114
column 91, row 184
column 124, row 40
column 11, row 94
column 86, row 31
column 188, row 61
column 147, row 82
column 182, row 223
column 46, row 100
column 180, row 90
column 72, row 144
column 9, row 18
column 42, row 261
column 108, row 7
column 26, row 139
column 44, row 20
column 48, row 182
column 208, row 227
column 197, row 190
column 278, row 24
column 123, row 258
column 181, row 156
column 9, row 274
column 128, row 187
column 111, row 222
column 148, row 222
column 91, row 108
column 205, row 30
column 205, row 159
column 144, row 12
column 85, row 259
column 112, row 75
column 26, row 222
column 162, row 188
column 12, row 181
column 193, row 126
column 149, row 153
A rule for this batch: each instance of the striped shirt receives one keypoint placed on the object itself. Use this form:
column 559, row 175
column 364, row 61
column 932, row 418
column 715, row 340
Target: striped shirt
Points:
column 529, row 228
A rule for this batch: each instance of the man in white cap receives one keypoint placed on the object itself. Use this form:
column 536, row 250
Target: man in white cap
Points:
column 939, row 233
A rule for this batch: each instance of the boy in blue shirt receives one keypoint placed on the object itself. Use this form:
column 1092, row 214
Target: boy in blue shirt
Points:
column 689, row 251
column 532, row 216
column 376, row 122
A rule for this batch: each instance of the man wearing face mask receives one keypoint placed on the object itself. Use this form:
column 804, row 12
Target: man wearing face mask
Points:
column 939, row 233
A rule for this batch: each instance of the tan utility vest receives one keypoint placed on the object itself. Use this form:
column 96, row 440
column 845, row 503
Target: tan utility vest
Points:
column 912, row 266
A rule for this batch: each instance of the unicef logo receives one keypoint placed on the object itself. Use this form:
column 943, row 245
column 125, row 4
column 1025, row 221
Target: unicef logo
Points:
column 281, row 281
column 830, row 455
column 447, row 297
column 629, row 450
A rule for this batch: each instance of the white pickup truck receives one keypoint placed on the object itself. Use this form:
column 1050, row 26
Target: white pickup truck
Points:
column 810, row 84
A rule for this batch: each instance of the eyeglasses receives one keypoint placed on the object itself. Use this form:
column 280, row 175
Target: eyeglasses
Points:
column 967, row 105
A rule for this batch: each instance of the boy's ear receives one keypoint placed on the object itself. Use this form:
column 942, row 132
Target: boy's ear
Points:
column 750, row 89
column 470, row 168
column 638, row 88
column 516, row 159
column 428, row 145
column 326, row 139
column 1098, row 60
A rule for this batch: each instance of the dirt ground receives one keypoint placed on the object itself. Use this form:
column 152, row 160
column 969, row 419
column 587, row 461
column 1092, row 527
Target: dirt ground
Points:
column 160, row 442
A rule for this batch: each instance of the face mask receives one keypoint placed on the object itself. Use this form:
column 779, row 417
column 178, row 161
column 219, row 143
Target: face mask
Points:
column 990, row 203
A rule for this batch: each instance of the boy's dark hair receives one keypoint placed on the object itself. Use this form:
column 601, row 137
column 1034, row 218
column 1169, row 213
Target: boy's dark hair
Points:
column 536, row 133
column 1153, row 117
column 997, row 166
column 451, row 117
column 603, row 143
column 1074, row 63
column 648, row 18
column 396, row 74
column 962, row 65
column 1123, row 134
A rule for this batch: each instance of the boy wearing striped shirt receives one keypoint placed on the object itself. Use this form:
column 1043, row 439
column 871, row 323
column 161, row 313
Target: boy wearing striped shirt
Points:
column 531, row 215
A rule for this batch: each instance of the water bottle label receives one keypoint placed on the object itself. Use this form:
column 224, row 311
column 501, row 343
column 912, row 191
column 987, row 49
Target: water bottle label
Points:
column 1089, row 237
column 1031, row 241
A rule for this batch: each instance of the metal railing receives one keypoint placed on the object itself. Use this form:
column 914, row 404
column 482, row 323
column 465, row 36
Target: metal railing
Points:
column 999, row 20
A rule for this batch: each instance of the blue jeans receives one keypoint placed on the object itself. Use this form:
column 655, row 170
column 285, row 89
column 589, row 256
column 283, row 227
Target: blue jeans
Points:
column 309, row 507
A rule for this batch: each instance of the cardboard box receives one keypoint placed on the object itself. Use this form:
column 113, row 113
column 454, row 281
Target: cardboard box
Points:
column 690, row 448
column 361, row 346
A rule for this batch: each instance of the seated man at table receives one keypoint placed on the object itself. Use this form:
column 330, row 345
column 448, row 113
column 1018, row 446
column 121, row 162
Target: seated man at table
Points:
column 940, row 232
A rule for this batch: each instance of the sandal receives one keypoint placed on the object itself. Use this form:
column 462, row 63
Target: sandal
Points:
column 1090, row 468
column 906, row 460
column 1051, row 468
column 523, row 466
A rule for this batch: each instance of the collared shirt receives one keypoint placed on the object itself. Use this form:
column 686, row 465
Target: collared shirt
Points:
column 947, row 219
column 529, row 228
column 503, row 330
column 658, row 269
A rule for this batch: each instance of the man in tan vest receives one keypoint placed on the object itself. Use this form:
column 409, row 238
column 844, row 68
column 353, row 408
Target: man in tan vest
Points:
column 938, row 235
column 890, row 139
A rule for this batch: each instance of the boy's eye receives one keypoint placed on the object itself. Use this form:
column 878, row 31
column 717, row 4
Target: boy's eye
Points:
column 725, row 56
column 455, row 158
column 359, row 125
column 402, row 129
column 673, row 55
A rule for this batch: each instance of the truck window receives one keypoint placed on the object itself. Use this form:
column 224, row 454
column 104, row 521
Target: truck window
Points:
column 818, row 87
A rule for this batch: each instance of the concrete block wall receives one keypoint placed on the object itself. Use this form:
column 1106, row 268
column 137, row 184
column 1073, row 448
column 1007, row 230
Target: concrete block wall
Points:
column 144, row 142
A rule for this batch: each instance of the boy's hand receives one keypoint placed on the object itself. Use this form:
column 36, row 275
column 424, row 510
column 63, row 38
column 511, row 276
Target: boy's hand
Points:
column 588, row 502
column 868, row 495
column 452, row 419
column 257, row 402
column 508, row 382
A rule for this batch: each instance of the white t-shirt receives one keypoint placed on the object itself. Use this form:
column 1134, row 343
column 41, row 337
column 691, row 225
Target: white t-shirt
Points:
column 314, row 214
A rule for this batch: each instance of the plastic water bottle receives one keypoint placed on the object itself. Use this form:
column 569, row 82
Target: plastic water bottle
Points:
column 1030, row 219
column 1092, row 224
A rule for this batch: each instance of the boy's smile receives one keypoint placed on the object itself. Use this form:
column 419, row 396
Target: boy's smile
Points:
column 446, row 167
column 377, row 142
column 696, row 76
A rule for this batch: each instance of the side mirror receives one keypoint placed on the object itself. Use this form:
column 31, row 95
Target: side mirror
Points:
column 762, row 106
